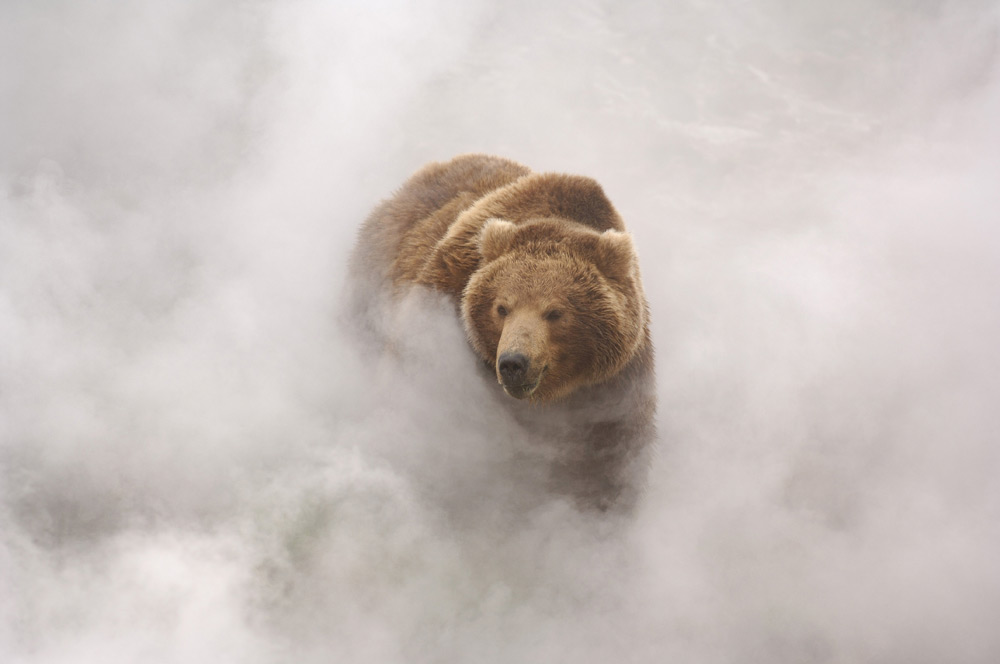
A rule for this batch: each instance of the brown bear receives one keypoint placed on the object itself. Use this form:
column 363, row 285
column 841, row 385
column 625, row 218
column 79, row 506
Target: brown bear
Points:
column 547, row 284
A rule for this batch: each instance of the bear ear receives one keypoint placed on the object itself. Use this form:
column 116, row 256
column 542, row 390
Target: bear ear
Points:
column 615, row 254
column 496, row 238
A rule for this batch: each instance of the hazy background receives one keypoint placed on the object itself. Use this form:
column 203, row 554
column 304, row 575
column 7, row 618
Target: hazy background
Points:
column 195, row 466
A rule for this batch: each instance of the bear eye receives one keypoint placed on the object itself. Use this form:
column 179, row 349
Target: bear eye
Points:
column 555, row 314
column 501, row 310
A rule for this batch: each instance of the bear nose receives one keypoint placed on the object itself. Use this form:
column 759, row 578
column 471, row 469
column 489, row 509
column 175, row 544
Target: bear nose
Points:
column 513, row 367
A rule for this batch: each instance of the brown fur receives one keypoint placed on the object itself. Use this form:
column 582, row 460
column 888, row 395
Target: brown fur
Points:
column 543, row 271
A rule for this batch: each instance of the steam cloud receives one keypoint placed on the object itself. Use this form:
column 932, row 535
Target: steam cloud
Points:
column 197, row 465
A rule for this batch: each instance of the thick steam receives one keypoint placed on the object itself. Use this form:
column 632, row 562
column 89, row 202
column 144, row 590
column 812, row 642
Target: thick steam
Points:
column 197, row 463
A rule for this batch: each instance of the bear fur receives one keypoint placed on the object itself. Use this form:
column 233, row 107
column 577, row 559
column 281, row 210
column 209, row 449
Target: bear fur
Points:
column 547, row 284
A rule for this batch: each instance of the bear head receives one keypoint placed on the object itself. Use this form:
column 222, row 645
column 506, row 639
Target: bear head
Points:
column 554, row 305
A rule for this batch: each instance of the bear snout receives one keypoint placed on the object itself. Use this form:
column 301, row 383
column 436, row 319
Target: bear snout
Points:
column 513, row 368
column 518, row 375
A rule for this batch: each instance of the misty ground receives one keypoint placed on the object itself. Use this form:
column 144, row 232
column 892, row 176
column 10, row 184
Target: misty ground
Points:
column 196, row 465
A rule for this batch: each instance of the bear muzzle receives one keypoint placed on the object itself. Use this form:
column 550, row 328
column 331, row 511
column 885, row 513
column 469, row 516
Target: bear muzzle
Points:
column 517, row 375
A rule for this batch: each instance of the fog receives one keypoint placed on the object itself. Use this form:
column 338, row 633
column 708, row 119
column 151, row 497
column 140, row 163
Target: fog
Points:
column 198, row 464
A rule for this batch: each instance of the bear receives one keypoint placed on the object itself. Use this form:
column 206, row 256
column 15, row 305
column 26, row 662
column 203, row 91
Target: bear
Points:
column 545, row 279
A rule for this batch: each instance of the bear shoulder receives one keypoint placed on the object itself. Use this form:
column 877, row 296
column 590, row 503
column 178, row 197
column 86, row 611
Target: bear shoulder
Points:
column 573, row 199
column 395, row 240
